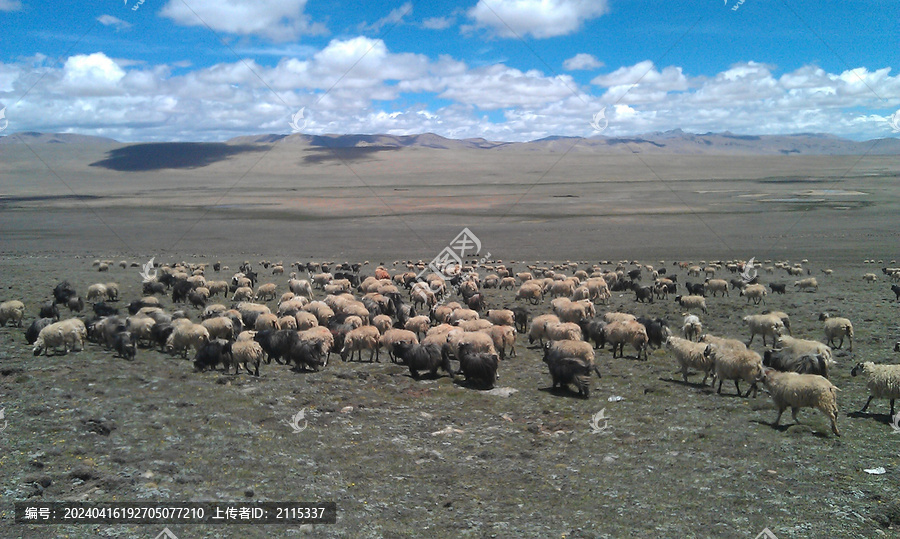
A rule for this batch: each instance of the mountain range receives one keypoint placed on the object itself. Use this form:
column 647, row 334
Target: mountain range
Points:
column 676, row 142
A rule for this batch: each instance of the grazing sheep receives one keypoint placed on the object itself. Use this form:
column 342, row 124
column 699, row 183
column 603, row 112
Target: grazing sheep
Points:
column 632, row 332
column 322, row 339
column 96, row 292
column 531, row 291
column 188, row 335
column 422, row 357
column 570, row 370
column 393, row 336
column 785, row 319
column 501, row 317
column 31, row 334
column 657, row 330
column 717, row 285
column 266, row 321
column 219, row 328
column 611, row 317
column 755, row 292
column 883, row 382
column 265, row 292
column 243, row 293
column 692, row 328
column 734, row 364
column 576, row 349
column 592, row 331
column 75, row 304
column 478, row 367
column 463, row 314
column 12, row 311
column 691, row 355
column 870, row 277
column 504, row 338
column 245, row 352
column 778, row 288
column 810, row 283
column 786, row 361
column 764, row 324
column 475, row 325
column 359, row 339
column 68, row 334
column 49, row 310
column 802, row 347
column 112, row 291
column 837, row 328
column 538, row 331
column 896, row 290
column 125, row 345
column 563, row 331
column 418, row 325
column 141, row 328
column 789, row 389
column 692, row 302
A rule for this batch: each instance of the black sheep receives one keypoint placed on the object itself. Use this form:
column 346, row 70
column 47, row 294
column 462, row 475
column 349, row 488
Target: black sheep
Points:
column 422, row 357
column 657, row 330
column 521, row 315
column 777, row 288
column 102, row 309
column 592, row 330
column 31, row 334
column 570, row 370
column 277, row 344
column 478, row 368
column 75, row 304
column 896, row 290
column 154, row 287
column 643, row 293
column 781, row 360
column 215, row 352
column 124, row 345
column 49, row 310
column 180, row 291
column 63, row 292
column 306, row 355
column 160, row 333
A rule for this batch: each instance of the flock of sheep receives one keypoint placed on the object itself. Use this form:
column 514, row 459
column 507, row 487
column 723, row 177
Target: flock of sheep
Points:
column 411, row 317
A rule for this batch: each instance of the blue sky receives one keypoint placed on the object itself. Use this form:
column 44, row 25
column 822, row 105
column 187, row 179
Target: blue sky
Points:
column 499, row 69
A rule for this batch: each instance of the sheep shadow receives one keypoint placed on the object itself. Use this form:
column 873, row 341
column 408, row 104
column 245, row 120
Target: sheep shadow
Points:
column 696, row 385
column 562, row 392
column 785, row 426
column 881, row 418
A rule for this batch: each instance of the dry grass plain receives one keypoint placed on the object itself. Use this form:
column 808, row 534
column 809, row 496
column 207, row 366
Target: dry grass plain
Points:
column 678, row 460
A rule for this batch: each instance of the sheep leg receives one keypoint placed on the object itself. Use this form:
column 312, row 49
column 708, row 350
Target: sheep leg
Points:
column 794, row 411
column 892, row 407
column 719, row 391
column 754, row 389
column 737, row 386
column 754, row 335
column 778, row 419
column 597, row 370
column 870, row 401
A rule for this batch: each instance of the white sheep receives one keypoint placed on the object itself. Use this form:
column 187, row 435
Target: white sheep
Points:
column 691, row 355
column 246, row 352
column 219, row 327
column 68, row 334
column 504, row 338
column 883, row 381
column 717, row 285
column 692, row 302
column 755, row 292
column 765, row 325
column 631, row 332
column 801, row 347
column 789, row 389
column 735, row 364
column 809, row 283
column 96, row 292
column 266, row 292
column 692, row 327
column 12, row 311
column 564, row 331
column 837, row 328
column 187, row 335
column 242, row 293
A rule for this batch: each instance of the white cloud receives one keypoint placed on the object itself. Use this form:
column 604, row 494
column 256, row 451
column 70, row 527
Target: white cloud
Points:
column 537, row 18
column 344, row 86
column 109, row 20
column 582, row 61
column 279, row 20
column 92, row 74
column 438, row 23
column 394, row 17
column 10, row 5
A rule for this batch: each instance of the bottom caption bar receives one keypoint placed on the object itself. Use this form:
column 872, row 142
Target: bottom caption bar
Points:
column 176, row 513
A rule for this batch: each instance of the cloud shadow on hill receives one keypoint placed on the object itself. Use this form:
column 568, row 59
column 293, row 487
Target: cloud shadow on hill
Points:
column 344, row 154
column 156, row 156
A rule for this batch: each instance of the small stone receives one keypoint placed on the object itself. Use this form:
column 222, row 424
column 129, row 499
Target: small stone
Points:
column 248, row 493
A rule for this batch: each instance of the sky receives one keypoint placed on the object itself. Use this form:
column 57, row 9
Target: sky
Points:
column 510, row 70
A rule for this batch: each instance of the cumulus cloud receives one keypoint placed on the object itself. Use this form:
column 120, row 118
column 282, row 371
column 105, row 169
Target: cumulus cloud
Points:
column 359, row 85
column 536, row 18
column 582, row 61
column 278, row 20
column 109, row 20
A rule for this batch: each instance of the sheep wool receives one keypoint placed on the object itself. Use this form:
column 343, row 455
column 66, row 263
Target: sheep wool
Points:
column 789, row 389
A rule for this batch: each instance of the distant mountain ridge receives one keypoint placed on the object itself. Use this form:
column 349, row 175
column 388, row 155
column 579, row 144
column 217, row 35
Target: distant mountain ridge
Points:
column 675, row 142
